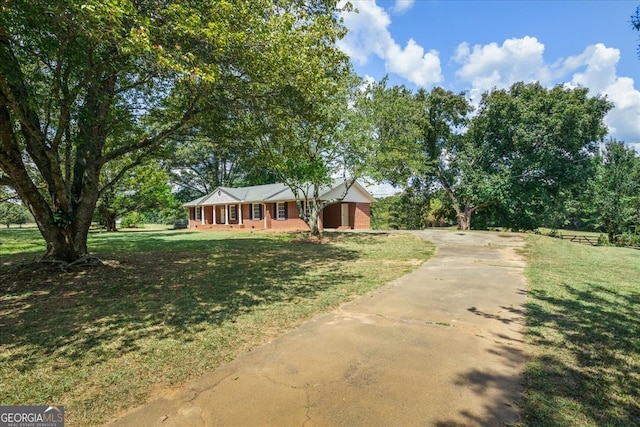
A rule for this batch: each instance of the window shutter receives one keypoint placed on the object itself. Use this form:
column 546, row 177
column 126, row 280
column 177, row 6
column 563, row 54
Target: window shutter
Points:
column 260, row 210
column 275, row 211
column 286, row 210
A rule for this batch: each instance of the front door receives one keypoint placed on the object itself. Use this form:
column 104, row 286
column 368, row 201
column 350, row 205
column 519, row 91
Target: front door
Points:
column 345, row 215
column 221, row 215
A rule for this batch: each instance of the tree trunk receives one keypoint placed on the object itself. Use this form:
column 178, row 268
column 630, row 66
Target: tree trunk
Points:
column 311, row 216
column 314, row 223
column 108, row 220
column 463, row 215
column 464, row 220
column 61, row 246
column 110, row 224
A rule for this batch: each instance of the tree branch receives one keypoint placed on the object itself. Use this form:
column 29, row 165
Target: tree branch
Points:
column 121, row 173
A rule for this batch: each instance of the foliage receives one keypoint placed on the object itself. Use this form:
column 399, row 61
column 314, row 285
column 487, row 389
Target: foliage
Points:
column 380, row 213
column 219, row 154
column 391, row 116
column 521, row 156
column 13, row 213
column 168, row 306
column 168, row 215
column 602, row 240
column 627, row 239
column 418, row 137
column 583, row 334
column 133, row 220
column 616, row 189
column 83, row 84
column 540, row 141
column 140, row 188
column 404, row 211
column 311, row 144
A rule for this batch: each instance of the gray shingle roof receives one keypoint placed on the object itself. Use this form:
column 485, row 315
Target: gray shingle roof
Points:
column 258, row 193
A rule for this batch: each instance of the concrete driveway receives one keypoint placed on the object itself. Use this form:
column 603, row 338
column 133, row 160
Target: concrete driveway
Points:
column 441, row 346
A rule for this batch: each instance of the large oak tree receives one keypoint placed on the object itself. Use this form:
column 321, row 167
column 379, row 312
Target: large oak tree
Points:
column 539, row 144
column 85, row 83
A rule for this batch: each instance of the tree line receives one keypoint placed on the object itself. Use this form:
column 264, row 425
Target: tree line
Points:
column 525, row 157
column 113, row 108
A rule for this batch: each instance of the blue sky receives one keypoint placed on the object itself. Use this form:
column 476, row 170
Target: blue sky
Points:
column 474, row 46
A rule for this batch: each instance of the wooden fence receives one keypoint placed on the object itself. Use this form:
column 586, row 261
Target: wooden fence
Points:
column 587, row 240
column 593, row 241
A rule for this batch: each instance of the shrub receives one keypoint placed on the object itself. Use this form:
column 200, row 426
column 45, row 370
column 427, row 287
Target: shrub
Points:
column 132, row 220
column 555, row 233
column 627, row 239
column 603, row 240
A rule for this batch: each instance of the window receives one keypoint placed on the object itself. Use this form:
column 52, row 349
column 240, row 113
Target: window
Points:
column 198, row 212
column 256, row 211
column 281, row 210
column 232, row 212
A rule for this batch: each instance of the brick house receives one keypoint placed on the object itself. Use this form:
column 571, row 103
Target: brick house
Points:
column 273, row 207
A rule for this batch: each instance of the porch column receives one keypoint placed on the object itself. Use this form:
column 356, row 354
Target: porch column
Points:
column 240, row 214
column 202, row 214
column 226, row 214
column 215, row 208
column 264, row 215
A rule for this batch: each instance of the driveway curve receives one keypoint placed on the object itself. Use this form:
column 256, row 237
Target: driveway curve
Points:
column 441, row 346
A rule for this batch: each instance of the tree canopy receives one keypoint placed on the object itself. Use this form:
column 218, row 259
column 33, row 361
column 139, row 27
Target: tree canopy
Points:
column 311, row 143
column 523, row 150
column 616, row 190
column 538, row 143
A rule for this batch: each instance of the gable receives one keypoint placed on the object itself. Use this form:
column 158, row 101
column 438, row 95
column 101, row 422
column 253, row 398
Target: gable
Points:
column 356, row 194
column 219, row 196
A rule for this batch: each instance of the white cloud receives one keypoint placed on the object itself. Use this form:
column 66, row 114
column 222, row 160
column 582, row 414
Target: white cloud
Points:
column 403, row 5
column 413, row 64
column 369, row 36
column 491, row 65
column 600, row 76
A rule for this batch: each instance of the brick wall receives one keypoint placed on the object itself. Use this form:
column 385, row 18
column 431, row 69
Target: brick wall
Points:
column 293, row 221
column 331, row 217
column 362, row 216
column 257, row 224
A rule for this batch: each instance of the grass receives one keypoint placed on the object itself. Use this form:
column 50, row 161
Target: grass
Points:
column 583, row 327
column 166, row 307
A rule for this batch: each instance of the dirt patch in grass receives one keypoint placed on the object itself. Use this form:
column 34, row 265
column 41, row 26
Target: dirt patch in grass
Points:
column 167, row 306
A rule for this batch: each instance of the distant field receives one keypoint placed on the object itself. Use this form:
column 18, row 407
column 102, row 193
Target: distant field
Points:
column 583, row 330
column 167, row 306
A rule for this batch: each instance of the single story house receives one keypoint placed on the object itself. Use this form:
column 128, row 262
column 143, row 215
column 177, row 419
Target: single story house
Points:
column 273, row 207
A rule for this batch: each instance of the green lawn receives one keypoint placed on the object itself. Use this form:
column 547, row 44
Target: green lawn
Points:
column 583, row 329
column 166, row 306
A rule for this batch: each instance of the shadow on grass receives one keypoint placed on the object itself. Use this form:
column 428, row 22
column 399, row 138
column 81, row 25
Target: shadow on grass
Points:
column 596, row 374
column 148, row 292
